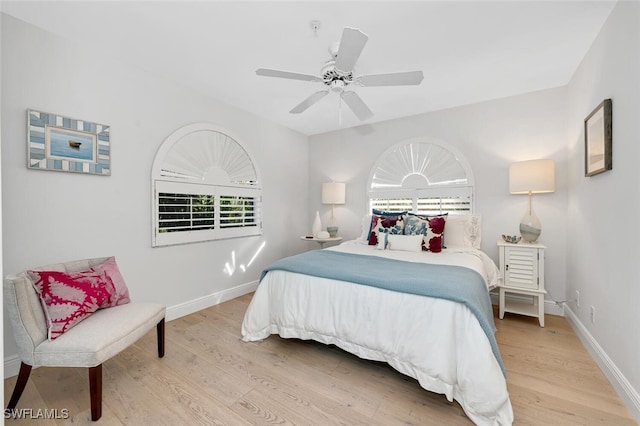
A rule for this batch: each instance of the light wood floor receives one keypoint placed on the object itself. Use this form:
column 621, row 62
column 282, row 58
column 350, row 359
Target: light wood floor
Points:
column 209, row 376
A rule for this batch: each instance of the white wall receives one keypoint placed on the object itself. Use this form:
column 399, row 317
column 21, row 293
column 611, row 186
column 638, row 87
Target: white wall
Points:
column 603, row 235
column 491, row 135
column 53, row 216
column 1, row 271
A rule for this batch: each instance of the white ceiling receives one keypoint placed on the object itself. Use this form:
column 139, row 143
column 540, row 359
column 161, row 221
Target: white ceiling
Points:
column 469, row 51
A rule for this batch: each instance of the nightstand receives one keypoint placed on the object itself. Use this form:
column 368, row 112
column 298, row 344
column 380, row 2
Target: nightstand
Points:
column 522, row 271
column 321, row 241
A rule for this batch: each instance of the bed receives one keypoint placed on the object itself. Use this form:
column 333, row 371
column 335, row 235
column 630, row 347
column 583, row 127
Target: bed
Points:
column 443, row 340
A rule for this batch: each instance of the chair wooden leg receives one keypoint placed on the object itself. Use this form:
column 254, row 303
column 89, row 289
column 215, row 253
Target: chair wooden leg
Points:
column 160, row 329
column 95, row 389
column 23, row 377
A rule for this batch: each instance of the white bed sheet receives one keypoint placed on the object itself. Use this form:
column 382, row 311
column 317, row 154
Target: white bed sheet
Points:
column 438, row 342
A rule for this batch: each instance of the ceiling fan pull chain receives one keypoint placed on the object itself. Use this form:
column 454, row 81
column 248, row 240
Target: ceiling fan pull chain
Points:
column 340, row 110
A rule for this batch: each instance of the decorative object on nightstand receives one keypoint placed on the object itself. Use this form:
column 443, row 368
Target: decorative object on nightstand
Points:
column 317, row 225
column 531, row 177
column 333, row 193
column 513, row 239
column 522, row 271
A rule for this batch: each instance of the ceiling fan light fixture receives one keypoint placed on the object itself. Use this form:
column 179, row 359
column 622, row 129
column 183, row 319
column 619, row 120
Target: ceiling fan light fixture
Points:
column 337, row 86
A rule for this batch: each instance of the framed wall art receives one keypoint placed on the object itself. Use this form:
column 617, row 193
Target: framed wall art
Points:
column 66, row 144
column 598, row 140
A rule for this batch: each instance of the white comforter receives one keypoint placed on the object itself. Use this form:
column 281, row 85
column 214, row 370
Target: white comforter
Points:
column 438, row 342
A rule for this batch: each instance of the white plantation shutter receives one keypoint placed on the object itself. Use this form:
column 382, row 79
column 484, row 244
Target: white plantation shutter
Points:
column 205, row 187
column 240, row 212
column 423, row 176
column 392, row 204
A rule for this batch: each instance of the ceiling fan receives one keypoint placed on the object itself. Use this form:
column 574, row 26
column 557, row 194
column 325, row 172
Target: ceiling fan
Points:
column 337, row 75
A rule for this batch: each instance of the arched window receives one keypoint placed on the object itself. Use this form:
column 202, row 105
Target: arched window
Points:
column 423, row 176
column 205, row 187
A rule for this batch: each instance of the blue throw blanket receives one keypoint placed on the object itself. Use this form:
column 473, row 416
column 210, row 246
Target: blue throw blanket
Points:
column 455, row 283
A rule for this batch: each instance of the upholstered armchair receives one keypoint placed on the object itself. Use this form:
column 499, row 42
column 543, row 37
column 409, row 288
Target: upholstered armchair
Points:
column 93, row 340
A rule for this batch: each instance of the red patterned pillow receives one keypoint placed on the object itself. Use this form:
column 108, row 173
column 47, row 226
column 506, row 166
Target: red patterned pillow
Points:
column 70, row 297
column 430, row 227
column 120, row 293
column 386, row 224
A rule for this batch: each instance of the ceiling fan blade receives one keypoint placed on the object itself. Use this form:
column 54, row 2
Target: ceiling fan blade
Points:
column 302, row 106
column 286, row 74
column 351, row 45
column 357, row 105
column 411, row 78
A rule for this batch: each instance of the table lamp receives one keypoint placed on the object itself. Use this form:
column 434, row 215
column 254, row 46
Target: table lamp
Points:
column 531, row 177
column 333, row 193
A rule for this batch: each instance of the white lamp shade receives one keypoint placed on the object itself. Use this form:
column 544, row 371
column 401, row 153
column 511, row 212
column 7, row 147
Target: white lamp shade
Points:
column 333, row 193
column 535, row 176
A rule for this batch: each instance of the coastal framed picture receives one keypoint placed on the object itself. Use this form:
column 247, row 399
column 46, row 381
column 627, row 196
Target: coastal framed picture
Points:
column 598, row 140
column 66, row 144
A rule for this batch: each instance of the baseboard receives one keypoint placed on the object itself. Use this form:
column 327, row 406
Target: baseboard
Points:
column 550, row 307
column 195, row 305
column 625, row 390
column 11, row 366
column 12, row 362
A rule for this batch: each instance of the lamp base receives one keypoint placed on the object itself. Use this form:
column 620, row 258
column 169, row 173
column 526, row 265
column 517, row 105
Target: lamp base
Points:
column 332, row 230
column 530, row 227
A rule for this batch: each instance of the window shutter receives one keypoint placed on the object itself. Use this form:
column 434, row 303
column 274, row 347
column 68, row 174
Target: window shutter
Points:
column 205, row 187
column 422, row 176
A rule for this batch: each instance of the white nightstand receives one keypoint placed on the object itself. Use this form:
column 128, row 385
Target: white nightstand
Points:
column 522, row 271
column 321, row 241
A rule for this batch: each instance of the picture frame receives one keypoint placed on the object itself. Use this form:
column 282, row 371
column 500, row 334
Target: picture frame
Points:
column 598, row 139
column 65, row 144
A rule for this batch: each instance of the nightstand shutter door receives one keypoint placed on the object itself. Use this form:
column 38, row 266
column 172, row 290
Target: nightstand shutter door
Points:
column 521, row 268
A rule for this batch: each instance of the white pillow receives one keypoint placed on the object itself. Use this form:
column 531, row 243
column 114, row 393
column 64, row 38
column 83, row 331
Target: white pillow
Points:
column 366, row 226
column 405, row 242
column 382, row 241
column 463, row 230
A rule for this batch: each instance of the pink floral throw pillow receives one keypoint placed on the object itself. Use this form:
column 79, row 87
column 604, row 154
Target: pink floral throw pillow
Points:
column 70, row 297
column 120, row 292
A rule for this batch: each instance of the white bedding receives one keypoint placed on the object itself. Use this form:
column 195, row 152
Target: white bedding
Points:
column 438, row 342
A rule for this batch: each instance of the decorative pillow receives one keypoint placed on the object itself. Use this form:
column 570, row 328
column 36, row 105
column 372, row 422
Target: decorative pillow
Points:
column 385, row 213
column 463, row 230
column 382, row 241
column 365, row 227
column 120, row 293
column 385, row 224
column 367, row 222
column 405, row 242
column 69, row 297
column 430, row 227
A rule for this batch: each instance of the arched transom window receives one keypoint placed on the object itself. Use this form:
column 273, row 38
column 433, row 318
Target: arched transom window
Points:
column 423, row 176
column 205, row 187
